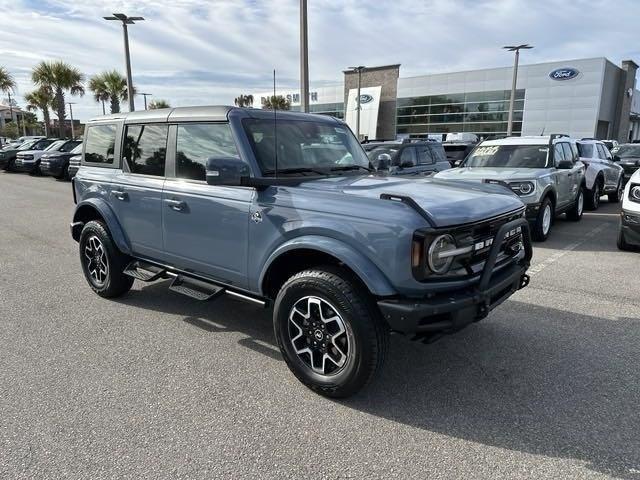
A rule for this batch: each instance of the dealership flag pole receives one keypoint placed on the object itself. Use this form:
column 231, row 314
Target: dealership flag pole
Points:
column 516, row 49
column 304, row 59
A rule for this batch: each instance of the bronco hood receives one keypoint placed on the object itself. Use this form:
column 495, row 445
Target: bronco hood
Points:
column 479, row 174
column 447, row 203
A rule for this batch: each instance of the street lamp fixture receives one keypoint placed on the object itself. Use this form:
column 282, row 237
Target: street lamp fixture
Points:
column 127, row 21
column 359, row 69
column 514, row 48
column 73, row 135
column 145, row 95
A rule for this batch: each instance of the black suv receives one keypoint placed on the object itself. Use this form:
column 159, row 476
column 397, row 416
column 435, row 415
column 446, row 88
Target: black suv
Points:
column 407, row 157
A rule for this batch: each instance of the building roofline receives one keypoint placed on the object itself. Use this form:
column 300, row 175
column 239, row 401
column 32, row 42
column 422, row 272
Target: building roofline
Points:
column 370, row 69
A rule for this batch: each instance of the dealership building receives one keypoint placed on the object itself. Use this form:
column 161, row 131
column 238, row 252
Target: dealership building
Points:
column 584, row 98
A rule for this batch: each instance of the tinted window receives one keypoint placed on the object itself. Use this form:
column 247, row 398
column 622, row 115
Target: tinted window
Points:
column 438, row 153
column 145, row 149
column 196, row 143
column 574, row 150
column 601, row 151
column 568, row 153
column 100, row 140
column 558, row 153
column 628, row 151
column 408, row 157
column 424, row 154
column 69, row 146
column 585, row 150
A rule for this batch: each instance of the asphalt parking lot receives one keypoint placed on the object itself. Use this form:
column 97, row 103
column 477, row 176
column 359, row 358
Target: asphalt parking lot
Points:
column 155, row 385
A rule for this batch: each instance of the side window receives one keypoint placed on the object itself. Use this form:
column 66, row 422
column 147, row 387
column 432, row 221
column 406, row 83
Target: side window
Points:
column 574, row 150
column 408, row 157
column 558, row 154
column 100, row 144
column 145, row 149
column 601, row 151
column 424, row 155
column 196, row 143
column 568, row 154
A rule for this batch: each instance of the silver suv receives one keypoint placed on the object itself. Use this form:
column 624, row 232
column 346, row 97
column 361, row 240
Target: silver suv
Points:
column 603, row 175
column 544, row 171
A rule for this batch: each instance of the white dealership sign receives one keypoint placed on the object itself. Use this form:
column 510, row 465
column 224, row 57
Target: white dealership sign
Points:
column 369, row 106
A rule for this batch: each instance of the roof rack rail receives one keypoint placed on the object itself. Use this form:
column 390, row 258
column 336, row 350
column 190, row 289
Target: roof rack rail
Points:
column 553, row 136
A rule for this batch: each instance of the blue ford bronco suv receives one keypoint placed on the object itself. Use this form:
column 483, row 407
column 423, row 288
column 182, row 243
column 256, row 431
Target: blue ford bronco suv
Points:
column 283, row 209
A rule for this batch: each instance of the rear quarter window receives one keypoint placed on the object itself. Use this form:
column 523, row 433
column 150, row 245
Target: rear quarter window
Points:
column 100, row 144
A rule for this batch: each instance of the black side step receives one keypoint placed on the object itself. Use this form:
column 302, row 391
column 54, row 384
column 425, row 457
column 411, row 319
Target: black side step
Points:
column 195, row 288
column 144, row 271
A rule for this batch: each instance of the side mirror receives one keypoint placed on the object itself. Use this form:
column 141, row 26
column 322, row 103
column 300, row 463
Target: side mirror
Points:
column 457, row 163
column 565, row 165
column 226, row 170
column 384, row 161
column 616, row 158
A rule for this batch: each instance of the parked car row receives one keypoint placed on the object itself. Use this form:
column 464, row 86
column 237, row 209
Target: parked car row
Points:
column 40, row 155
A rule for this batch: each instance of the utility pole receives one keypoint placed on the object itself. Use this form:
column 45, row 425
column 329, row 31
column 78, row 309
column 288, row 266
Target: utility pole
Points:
column 304, row 59
column 514, row 48
column 359, row 70
column 73, row 135
column 145, row 95
column 127, row 21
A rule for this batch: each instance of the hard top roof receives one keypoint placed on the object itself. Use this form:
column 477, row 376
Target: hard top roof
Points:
column 526, row 140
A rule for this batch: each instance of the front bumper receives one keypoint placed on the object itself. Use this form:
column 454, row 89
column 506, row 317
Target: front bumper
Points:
column 630, row 225
column 450, row 312
column 22, row 165
column 50, row 167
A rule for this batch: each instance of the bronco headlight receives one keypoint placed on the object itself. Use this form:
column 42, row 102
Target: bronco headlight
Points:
column 522, row 188
column 440, row 254
column 634, row 193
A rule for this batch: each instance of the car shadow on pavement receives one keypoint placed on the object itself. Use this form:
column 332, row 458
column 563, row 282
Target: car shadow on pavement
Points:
column 530, row 379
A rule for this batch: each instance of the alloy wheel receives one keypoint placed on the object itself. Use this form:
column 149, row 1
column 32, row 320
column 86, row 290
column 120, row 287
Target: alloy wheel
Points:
column 96, row 260
column 580, row 203
column 546, row 219
column 319, row 335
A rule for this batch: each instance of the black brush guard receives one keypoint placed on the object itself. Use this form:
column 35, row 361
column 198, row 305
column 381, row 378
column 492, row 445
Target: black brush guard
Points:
column 444, row 313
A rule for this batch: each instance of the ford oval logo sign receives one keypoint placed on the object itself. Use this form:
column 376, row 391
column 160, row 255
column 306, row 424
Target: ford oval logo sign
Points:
column 566, row 73
column 365, row 98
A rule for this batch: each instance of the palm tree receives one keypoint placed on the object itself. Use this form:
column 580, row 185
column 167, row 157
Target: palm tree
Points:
column 110, row 86
column 40, row 99
column 244, row 101
column 7, row 85
column 276, row 102
column 159, row 103
column 59, row 78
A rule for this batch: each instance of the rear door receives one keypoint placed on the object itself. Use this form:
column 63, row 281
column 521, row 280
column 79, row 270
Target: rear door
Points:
column 562, row 177
column 576, row 172
column 205, row 226
column 136, row 192
column 611, row 171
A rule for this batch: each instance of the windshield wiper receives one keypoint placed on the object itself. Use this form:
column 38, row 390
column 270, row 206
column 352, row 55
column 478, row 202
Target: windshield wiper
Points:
column 297, row 170
column 345, row 168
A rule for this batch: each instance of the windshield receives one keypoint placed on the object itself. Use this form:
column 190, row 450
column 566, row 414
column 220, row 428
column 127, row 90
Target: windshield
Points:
column 377, row 151
column 627, row 151
column 508, row 156
column 27, row 145
column 77, row 149
column 68, row 146
column 304, row 146
column 55, row 146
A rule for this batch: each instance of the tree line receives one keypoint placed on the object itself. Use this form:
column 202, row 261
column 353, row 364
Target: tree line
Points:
column 55, row 80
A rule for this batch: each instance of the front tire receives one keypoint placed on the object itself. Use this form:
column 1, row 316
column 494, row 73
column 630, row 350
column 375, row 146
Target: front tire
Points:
column 575, row 213
column 329, row 331
column 622, row 242
column 542, row 225
column 102, row 262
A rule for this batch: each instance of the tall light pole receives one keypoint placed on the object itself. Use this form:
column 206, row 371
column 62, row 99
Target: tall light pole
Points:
column 127, row 21
column 73, row 135
column 359, row 70
column 145, row 95
column 514, row 48
column 304, row 59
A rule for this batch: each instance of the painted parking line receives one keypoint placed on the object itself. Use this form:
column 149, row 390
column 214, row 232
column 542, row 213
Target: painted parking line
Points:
column 537, row 268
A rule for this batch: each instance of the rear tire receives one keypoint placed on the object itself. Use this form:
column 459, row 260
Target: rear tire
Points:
column 617, row 195
column 330, row 331
column 575, row 213
column 102, row 262
column 592, row 198
column 542, row 225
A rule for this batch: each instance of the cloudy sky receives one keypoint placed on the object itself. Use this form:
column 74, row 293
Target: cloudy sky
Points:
column 195, row 52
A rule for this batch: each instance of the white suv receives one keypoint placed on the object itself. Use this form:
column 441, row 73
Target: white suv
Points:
column 629, row 233
column 603, row 176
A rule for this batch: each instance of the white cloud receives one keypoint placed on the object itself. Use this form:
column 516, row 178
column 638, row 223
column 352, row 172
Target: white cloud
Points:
column 207, row 52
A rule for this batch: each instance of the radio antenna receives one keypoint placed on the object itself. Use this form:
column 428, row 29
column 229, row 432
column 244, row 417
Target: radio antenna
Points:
column 275, row 122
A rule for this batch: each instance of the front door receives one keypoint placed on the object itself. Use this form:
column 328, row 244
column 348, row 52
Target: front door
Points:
column 563, row 178
column 205, row 226
column 136, row 192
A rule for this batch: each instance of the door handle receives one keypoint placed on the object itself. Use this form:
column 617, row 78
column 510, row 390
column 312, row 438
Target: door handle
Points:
column 177, row 205
column 570, row 174
column 119, row 194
